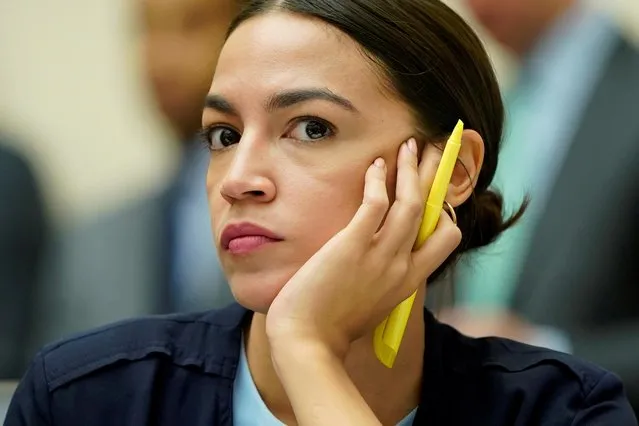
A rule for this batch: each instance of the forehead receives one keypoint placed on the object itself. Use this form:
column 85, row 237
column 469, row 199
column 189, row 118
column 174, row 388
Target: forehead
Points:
column 280, row 50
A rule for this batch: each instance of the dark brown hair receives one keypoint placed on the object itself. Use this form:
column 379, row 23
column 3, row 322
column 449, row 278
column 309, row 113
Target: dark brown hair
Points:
column 438, row 66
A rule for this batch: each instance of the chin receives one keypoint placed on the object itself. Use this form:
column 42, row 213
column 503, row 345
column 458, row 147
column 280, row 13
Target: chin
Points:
column 257, row 291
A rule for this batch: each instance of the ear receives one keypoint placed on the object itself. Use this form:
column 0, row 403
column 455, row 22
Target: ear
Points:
column 466, row 172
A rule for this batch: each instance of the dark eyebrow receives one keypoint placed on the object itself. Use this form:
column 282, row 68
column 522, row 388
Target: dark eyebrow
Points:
column 289, row 98
column 283, row 100
column 220, row 104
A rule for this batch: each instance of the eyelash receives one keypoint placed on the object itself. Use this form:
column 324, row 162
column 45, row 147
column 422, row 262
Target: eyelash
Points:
column 204, row 134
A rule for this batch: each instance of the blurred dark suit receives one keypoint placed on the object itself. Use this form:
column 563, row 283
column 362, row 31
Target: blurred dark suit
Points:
column 102, row 270
column 22, row 233
column 582, row 272
column 122, row 263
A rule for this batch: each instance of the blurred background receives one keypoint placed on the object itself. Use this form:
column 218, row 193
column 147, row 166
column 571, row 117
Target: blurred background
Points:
column 88, row 123
column 73, row 88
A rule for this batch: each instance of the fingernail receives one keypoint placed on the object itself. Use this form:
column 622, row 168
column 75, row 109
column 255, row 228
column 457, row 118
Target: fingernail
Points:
column 380, row 163
column 412, row 146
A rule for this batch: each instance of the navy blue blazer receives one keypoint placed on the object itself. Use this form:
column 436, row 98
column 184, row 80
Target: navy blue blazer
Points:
column 179, row 370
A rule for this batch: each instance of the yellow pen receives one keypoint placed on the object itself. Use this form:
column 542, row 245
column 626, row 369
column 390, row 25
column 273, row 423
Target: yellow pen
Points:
column 389, row 334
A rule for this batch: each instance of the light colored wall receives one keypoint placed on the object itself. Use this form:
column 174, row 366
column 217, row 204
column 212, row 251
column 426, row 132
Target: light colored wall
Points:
column 70, row 86
column 71, row 90
column 627, row 13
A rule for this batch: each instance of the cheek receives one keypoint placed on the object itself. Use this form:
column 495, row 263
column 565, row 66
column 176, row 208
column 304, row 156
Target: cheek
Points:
column 327, row 202
column 324, row 205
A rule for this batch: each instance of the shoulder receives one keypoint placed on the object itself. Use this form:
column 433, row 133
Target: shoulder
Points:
column 131, row 232
column 23, row 224
column 180, row 339
column 133, row 236
column 9, row 157
column 199, row 339
column 517, row 361
column 529, row 382
column 136, row 358
column 142, row 212
column 16, row 172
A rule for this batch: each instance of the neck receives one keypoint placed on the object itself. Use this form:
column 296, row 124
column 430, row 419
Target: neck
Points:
column 390, row 393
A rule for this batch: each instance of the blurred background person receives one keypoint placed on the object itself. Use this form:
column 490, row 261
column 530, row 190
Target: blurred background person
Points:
column 154, row 255
column 177, row 43
column 566, row 276
column 91, row 139
column 22, row 236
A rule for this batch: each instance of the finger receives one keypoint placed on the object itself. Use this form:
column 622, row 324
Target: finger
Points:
column 400, row 228
column 427, row 170
column 370, row 214
column 437, row 248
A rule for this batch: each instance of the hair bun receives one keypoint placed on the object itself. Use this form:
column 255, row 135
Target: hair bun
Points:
column 481, row 221
column 486, row 221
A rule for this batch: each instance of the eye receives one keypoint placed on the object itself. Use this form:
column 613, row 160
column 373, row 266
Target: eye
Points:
column 310, row 129
column 220, row 137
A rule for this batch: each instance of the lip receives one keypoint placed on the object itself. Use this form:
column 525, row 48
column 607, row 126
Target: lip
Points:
column 245, row 229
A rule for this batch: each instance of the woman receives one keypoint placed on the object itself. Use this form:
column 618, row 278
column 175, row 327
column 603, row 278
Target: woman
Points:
column 326, row 120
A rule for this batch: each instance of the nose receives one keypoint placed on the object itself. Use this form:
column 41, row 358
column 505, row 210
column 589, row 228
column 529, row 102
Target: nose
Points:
column 249, row 175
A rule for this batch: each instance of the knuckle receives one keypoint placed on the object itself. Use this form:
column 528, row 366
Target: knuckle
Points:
column 414, row 208
column 453, row 235
column 377, row 201
column 354, row 248
column 400, row 268
column 458, row 236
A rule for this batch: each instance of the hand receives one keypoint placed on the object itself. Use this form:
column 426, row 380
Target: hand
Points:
column 364, row 271
column 485, row 324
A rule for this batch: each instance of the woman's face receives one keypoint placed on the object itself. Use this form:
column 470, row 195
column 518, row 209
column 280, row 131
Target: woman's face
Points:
column 295, row 115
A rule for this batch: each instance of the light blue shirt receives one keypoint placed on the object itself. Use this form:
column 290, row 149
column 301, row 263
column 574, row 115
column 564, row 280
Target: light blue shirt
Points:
column 543, row 112
column 249, row 408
